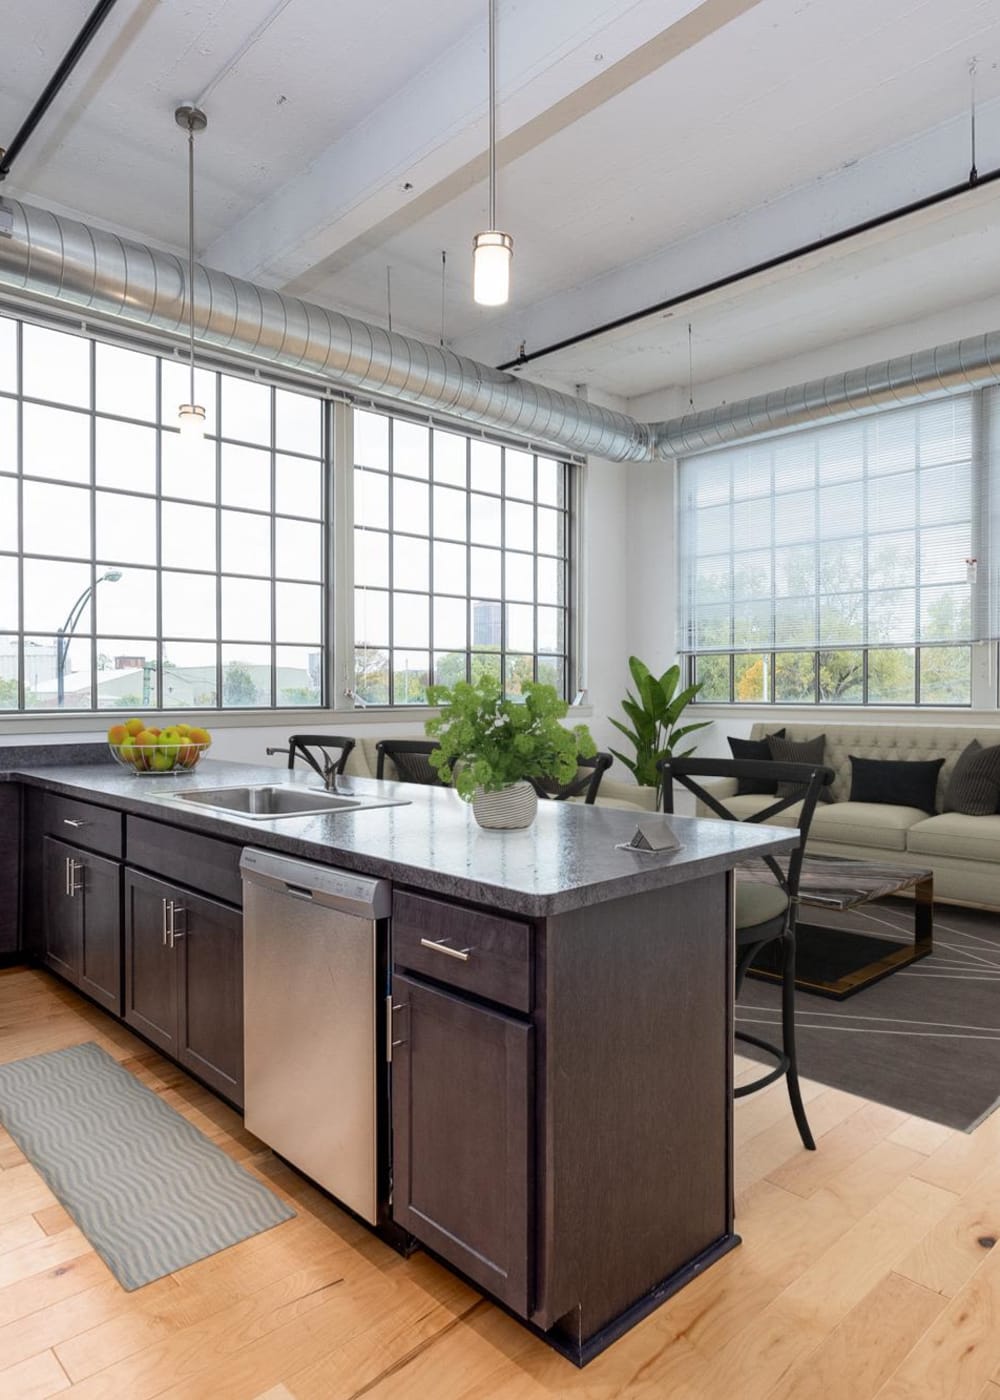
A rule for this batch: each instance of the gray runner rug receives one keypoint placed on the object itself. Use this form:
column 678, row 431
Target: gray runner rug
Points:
column 149, row 1191
column 925, row 1040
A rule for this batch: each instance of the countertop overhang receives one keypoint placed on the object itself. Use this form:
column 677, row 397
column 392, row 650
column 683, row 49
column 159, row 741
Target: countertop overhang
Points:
column 568, row 859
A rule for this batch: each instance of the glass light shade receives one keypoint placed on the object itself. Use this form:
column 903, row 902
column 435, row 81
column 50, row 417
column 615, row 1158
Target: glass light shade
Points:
column 491, row 255
column 191, row 421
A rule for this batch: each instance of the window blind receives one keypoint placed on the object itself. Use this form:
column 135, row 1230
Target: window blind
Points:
column 851, row 534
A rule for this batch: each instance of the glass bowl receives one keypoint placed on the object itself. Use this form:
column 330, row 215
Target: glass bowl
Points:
column 157, row 759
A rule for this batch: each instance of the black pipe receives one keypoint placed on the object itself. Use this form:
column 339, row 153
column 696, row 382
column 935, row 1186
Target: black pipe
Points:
column 974, row 182
column 52, row 88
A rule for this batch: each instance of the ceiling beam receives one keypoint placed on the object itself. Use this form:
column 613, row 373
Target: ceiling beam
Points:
column 858, row 191
column 427, row 144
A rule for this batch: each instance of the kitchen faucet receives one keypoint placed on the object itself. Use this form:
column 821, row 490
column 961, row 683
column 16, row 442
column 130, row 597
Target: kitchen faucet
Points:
column 327, row 770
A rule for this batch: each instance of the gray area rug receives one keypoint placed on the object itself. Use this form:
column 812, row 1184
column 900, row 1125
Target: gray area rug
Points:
column 925, row 1040
column 149, row 1191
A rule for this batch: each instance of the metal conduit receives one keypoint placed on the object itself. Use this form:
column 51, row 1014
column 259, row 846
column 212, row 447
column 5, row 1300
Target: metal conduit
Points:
column 928, row 374
column 116, row 279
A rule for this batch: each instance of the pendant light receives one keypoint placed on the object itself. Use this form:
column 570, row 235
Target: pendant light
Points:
column 191, row 415
column 492, row 250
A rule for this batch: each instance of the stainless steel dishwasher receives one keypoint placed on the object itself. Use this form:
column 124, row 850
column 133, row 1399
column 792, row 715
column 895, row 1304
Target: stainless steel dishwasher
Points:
column 312, row 937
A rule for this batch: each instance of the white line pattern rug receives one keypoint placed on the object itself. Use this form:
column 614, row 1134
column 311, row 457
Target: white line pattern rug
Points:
column 149, row 1191
column 925, row 1040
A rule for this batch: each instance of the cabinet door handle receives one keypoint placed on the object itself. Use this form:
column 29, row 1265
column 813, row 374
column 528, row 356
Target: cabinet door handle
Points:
column 164, row 903
column 440, row 946
column 172, row 928
column 66, row 880
column 390, row 1008
column 73, row 868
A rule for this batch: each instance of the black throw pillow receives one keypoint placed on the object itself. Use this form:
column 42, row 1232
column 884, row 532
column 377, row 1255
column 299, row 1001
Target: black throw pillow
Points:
column 900, row 782
column 757, row 750
column 793, row 751
column 974, row 785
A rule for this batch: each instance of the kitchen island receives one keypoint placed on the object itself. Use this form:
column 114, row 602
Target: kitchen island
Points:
column 561, row 1124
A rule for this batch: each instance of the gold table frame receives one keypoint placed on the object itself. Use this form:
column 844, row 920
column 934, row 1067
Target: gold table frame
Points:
column 888, row 880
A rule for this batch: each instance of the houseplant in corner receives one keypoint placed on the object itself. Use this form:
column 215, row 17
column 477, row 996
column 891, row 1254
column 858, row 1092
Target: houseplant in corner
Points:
column 654, row 713
column 490, row 746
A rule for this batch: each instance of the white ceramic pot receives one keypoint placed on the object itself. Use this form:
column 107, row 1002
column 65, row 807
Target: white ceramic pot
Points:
column 509, row 809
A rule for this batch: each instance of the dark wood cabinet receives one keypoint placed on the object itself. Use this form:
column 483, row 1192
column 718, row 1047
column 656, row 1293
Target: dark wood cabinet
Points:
column 210, row 1000
column 150, row 963
column 462, row 1112
column 81, row 920
column 10, row 858
column 184, row 978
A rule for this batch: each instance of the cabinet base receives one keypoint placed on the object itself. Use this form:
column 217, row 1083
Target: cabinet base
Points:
column 582, row 1350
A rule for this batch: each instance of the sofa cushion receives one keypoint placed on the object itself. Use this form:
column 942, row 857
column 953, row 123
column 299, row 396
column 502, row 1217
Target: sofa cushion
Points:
column 756, row 749
column 895, row 782
column 876, row 824
column 974, row 785
column 808, row 751
column 955, row 834
column 873, row 739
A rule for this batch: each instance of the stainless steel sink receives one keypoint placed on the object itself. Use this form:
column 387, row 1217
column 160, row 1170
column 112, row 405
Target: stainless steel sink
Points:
column 268, row 802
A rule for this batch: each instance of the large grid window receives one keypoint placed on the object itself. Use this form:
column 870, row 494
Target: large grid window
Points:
column 835, row 565
column 133, row 576
column 461, row 555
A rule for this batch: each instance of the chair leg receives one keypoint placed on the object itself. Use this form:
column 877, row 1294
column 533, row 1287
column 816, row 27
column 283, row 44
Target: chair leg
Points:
column 788, row 1040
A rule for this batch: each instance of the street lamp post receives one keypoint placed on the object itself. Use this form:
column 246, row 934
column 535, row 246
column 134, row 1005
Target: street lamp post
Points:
column 65, row 633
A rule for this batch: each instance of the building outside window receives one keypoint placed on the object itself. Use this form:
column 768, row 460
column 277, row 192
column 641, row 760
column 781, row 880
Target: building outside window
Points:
column 833, row 565
column 461, row 556
column 133, row 576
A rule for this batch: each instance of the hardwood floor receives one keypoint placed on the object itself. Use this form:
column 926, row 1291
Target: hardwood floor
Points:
column 867, row 1270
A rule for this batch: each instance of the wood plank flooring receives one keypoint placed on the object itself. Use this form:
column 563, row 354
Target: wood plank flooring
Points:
column 867, row 1270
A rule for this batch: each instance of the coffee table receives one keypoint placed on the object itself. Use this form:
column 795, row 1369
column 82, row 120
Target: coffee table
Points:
column 836, row 962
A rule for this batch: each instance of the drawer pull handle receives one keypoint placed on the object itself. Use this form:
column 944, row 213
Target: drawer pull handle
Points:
column 440, row 946
column 71, row 821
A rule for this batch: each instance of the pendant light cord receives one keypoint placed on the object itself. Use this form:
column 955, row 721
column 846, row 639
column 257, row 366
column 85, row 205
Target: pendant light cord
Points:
column 493, row 114
column 191, row 248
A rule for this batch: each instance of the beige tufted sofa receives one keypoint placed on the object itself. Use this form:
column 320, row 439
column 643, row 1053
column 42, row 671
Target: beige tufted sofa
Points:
column 963, row 852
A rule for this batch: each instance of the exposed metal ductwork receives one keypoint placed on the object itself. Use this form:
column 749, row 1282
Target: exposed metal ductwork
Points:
column 121, row 281
column 114, row 278
column 929, row 374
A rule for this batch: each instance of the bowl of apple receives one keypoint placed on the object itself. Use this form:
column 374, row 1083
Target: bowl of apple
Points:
column 143, row 748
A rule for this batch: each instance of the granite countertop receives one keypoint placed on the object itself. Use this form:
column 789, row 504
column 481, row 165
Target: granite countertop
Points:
column 566, row 860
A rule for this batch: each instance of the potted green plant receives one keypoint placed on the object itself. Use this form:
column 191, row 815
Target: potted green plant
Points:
column 490, row 746
column 654, row 712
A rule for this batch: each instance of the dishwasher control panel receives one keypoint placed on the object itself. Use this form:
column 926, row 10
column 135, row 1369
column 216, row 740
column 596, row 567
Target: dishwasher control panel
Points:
column 361, row 895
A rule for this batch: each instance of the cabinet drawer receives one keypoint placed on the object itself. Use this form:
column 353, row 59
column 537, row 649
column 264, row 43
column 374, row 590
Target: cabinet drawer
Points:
column 200, row 862
column 83, row 824
column 480, row 953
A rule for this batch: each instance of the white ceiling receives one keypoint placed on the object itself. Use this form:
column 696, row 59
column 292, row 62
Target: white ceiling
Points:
column 647, row 146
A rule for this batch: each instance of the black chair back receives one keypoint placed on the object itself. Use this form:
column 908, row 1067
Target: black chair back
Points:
column 587, row 783
column 335, row 750
column 807, row 782
column 410, row 759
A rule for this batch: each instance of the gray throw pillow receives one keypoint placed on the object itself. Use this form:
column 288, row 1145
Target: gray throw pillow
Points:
column 791, row 751
column 974, row 785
